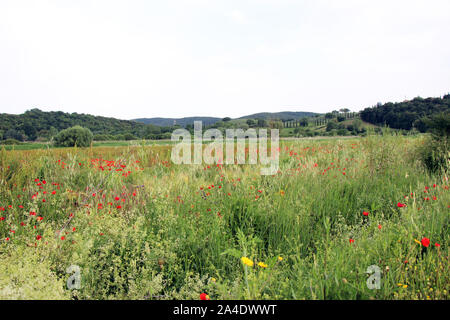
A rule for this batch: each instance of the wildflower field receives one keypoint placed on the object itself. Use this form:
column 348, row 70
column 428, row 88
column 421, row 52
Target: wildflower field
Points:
column 139, row 227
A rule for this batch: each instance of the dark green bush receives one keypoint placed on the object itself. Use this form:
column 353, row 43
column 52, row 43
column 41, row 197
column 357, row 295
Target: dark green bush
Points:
column 75, row 136
column 9, row 142
column 435, row 153
column 103, row 137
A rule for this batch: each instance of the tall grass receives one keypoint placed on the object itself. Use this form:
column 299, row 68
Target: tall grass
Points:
column 182, row 230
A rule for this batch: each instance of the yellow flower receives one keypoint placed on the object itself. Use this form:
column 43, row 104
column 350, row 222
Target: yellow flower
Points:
column 213, row 279
column 247, row 261
column 262, row 265
column 399, row 284
column 282, row 192
column 405, row 286
column 280, row 258
column 417, row 241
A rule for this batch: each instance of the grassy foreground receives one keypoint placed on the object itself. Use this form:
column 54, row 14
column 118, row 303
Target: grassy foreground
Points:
column 139, row 227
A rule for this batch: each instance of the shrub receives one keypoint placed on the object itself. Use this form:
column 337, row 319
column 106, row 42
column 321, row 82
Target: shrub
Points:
column 103, row 137
column 129, row 136
column 435, row 153
column 9, row 142
column 75, row 136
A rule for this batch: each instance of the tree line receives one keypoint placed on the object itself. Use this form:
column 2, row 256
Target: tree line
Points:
column 407, row 115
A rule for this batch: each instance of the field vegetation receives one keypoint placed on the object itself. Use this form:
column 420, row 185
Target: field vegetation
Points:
column 139, row 227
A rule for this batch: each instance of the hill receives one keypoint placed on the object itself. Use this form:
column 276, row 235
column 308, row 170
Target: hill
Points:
column 407, row 114
column 167, row 122
column 36, row 123
column 284, row 115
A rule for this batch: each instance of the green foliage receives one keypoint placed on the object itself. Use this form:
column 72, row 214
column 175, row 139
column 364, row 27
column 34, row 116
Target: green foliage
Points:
column 9, row 142
column 36, row 123
column 435, row 152
column 405, row 115
column 177, row 231
column 25, row 275
column 75, row 136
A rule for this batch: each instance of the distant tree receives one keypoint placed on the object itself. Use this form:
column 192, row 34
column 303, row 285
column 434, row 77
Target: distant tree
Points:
column 435, row 153
column 262, row 123
column 331, row 126
column 74, row 136
column 128, row 136
column 357, row 125
column 407, row 114
column 275, row 124
column 304, row 122
column 13, row 134
column 29, row 130
column 251, row 123
column 226, row 119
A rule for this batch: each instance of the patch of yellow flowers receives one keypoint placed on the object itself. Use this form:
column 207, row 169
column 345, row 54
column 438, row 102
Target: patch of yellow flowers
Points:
column 250, row 263
column 247, row 261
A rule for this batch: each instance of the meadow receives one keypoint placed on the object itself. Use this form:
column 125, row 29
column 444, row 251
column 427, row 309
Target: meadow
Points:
column 140, row 227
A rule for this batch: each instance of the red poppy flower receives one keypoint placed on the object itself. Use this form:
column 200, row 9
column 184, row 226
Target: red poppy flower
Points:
column 437, row 244
column 351, row 240
column 204, row 296
column 365, row 213
column 401, row 205
column 38, row 237
column 425, row 242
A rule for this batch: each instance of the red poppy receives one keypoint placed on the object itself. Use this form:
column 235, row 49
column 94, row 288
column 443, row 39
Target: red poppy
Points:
column 365, row 213
column 379, row 226
column 401, row 205
column 351, row 240
column 425, row 242
column 437, row 244
column 38, row 237
column 204, row 296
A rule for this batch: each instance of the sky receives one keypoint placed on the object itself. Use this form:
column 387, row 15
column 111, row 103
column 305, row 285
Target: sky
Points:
column 147, row 58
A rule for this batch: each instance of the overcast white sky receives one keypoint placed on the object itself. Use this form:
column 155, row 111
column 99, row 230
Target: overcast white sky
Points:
column 130, row 59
